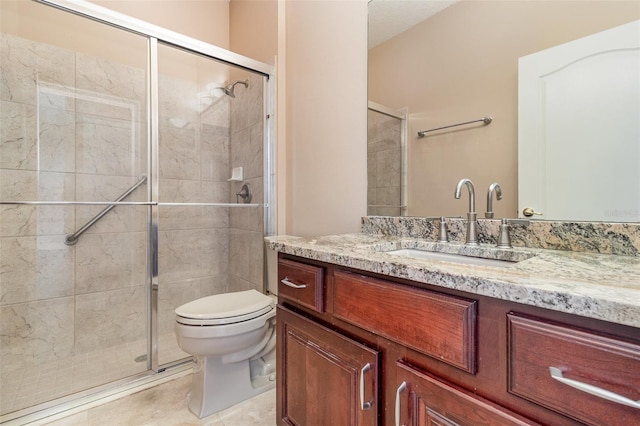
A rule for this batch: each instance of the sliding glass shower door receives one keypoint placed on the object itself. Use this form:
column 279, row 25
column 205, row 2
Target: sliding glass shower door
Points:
column 135, row 176
column 73, row 289
column 211, row 162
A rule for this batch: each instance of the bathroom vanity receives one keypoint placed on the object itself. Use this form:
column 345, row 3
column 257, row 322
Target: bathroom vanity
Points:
column 368, row 337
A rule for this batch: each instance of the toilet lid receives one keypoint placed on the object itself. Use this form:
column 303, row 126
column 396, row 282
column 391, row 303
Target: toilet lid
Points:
column 227, row 307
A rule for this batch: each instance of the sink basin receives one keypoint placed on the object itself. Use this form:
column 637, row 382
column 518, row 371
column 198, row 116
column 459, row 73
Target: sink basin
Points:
column 448, row 257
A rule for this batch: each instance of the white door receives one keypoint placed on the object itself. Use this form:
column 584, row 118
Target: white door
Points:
column 579, row 128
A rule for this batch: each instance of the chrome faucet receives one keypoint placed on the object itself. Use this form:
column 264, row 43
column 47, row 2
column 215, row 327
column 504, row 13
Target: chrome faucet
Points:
column 472, row 222
column 494, row 187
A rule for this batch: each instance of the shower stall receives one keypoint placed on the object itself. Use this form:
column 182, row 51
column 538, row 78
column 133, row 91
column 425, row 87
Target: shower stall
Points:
column 135, row 175
column 386, row 161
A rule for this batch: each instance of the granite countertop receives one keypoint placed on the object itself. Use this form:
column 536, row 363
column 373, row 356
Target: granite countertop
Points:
column 605, row 287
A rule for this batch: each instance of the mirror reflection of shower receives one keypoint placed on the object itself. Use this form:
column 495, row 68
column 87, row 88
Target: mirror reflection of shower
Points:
column 230, row 89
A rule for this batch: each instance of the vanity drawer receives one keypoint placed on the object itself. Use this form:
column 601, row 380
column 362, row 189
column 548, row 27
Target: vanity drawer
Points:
column 436, row 324
column 581, row 358
column 301, row 283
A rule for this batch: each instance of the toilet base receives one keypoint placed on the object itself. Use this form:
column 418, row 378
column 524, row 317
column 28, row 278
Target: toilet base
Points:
column 228, row 384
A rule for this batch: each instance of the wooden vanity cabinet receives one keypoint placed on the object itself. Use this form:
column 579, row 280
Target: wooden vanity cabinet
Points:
column 325, row 377
column 464, row 359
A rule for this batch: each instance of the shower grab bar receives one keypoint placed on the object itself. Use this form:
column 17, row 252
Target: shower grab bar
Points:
column 71, row 239
column 485, row 120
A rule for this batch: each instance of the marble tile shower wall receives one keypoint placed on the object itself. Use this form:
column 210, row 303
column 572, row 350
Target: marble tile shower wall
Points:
column 246, row 240
column 71, row 129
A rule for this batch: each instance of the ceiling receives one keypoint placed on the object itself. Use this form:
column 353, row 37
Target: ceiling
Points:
column 388, row 18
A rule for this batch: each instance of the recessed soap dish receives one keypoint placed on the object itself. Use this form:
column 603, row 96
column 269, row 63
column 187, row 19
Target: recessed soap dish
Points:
column 236, row 175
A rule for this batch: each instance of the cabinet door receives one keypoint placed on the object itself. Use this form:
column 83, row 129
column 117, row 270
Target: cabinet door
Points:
column 422, row 399
column 324, row 378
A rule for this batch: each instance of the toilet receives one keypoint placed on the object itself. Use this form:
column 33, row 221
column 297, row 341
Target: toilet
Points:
column 232, row 337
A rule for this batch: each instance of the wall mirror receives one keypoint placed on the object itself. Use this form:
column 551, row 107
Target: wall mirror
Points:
column 461, row 64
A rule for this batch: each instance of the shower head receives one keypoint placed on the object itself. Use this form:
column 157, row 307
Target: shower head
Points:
column 229, row 90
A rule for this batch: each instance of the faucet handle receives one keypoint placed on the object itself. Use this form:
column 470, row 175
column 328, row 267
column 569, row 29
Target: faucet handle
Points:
column 245, row 194
column 504, row 240
column 443, row 237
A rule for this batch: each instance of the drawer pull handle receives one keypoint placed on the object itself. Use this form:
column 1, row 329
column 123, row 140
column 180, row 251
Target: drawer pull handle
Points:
column 401, row 389
column 556, row 374
column 364, row 405
column 288, row 283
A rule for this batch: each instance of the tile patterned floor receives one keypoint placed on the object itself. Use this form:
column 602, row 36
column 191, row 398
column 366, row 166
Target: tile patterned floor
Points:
column 33, row 385
column 166, row 405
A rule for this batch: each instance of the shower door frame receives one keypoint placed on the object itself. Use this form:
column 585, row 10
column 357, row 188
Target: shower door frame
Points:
column 156, row 35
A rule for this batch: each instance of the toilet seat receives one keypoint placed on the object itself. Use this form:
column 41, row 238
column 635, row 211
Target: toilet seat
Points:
column 224, row 309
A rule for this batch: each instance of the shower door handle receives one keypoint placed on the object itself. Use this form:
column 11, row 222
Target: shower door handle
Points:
column 288, row 283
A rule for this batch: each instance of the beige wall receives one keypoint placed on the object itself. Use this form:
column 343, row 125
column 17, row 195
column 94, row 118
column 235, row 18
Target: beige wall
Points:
column 206, row 20
column 462, row 64
column 254, row 28
column 326, row 107
column 48, row 25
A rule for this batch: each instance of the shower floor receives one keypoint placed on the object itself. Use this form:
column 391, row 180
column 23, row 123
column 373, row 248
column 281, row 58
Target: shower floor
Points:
column 33, row 385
